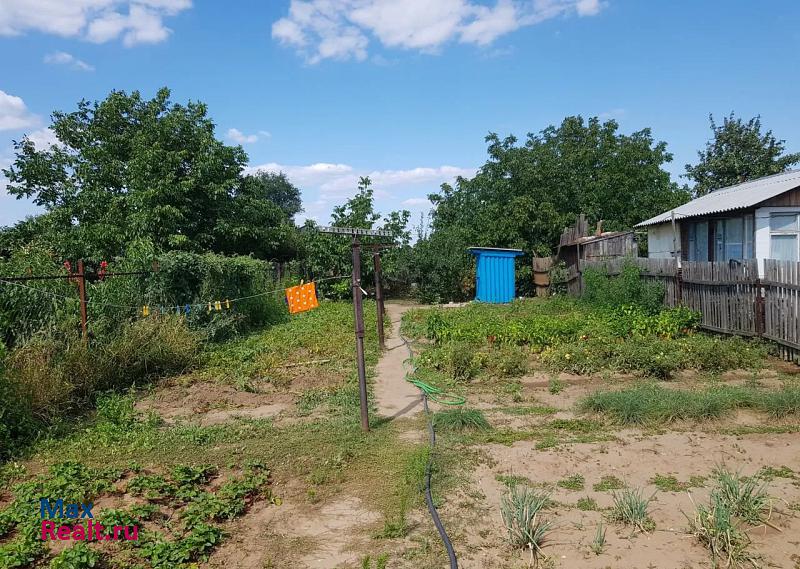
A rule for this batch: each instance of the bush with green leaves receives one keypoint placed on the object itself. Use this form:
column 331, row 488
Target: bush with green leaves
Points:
column 627, row 288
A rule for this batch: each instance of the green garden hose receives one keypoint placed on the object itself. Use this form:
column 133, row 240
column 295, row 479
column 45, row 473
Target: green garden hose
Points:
column 436, row 394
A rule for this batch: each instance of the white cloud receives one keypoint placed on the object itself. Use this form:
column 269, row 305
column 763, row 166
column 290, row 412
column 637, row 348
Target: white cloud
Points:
column 416, row 201
column 43, row 138
column 99, row 21
column 239, row 137
column 14, row 115
column 340, row 29
column 325, row 184
column 64, row 58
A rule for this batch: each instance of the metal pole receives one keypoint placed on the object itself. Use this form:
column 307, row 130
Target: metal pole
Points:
column 358, row 308
column 376, row 261
column 82, row 294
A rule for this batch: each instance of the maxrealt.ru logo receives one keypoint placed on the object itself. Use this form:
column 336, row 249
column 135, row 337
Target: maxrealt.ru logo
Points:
column 79, row 532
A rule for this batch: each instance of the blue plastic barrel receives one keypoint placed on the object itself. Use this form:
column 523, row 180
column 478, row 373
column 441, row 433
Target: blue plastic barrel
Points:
column 495, row 275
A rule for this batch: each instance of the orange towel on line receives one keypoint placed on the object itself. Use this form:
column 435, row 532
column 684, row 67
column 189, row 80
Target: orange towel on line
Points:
column 301, row 298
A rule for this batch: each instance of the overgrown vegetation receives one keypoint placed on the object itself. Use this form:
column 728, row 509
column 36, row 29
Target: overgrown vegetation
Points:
column 652, row 404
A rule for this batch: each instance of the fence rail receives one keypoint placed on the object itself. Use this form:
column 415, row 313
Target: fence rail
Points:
column 731, row 296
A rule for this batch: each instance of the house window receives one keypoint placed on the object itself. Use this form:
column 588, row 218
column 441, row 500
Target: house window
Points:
column 783, row 236
column 698, row 241
column 733, row 238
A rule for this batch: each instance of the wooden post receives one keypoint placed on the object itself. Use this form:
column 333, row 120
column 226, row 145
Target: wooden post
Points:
column 376, row 262
column 82, row 293
column 358, row 308
column 759, row 308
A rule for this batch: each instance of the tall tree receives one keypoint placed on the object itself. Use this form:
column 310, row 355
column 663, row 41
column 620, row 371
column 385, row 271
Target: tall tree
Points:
column 127, row 168
column 277, row 189
column 526, row 194
column 738, row 151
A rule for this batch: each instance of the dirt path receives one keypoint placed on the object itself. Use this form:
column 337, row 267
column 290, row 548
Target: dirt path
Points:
column 394, row 396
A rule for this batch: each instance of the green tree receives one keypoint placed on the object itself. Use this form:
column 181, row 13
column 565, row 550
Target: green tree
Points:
column 331, row 255
column 737, row 152
column 525, row 195
column 277, row 189
column 260, row 218
column 127, row 168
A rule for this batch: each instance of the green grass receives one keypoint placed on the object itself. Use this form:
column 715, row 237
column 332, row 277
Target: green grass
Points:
column 715, row 527
column 574, row 482
column 586, row 504
column 747, row 498
column 511, row 480
column 527, row 410
column 651, row 404
column 599, row 541
column 631, row 509
column 460, row 419
column 672, row 484
column 608, row 483
column 171, row 465
column 521, row 509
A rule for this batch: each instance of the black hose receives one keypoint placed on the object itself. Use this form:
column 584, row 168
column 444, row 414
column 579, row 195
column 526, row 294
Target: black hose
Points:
column 448, row 545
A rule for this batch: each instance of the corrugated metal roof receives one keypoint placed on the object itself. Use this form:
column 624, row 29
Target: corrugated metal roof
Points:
column 739, row 196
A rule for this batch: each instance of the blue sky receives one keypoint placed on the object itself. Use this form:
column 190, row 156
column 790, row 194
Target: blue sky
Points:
column 405, row 91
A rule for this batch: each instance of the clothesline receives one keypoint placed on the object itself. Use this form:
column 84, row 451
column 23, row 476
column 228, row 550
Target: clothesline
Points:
column 212, row 304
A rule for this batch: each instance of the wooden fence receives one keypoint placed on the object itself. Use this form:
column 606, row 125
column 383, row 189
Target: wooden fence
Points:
column 731, row 296
column 662, row 271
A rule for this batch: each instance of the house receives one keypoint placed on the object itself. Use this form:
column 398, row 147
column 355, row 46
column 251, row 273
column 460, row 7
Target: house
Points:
column 759, row 219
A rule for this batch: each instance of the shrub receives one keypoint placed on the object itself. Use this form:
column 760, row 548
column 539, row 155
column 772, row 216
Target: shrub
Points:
column 628, row 288
column 456, row 359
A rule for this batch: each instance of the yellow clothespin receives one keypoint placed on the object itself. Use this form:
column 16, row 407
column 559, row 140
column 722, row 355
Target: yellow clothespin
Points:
column 217, row 305
column 227, row 303
column 145, row 311
column 209, row 307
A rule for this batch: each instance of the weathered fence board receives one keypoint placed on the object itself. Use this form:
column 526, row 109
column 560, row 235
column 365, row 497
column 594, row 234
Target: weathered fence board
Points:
column 781, row 286
column 725, row 293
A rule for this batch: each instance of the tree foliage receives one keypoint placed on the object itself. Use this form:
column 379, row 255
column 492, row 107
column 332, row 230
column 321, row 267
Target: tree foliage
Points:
column 526, row 194
column 738, row 152
column 127, row 168
column 331, row 255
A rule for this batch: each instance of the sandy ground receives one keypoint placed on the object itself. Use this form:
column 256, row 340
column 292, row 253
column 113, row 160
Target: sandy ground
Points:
column 635, row 459
column 394, row 396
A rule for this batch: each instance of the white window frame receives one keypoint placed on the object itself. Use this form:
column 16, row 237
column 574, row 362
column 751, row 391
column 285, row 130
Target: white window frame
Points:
column 776, row 232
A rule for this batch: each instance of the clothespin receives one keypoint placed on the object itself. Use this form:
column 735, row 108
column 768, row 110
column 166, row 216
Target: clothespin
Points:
column 186, row 309
column 227, row 304
column 217, row 305
column 209, row 307
column 103, row 266
column 145, row 311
